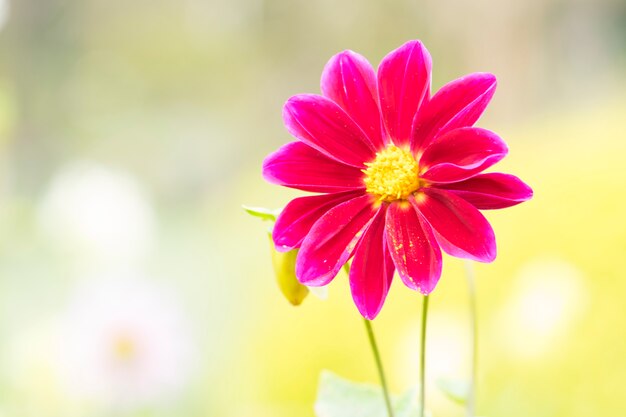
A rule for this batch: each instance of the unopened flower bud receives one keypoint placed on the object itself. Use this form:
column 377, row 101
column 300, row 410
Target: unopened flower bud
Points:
column 285, row 270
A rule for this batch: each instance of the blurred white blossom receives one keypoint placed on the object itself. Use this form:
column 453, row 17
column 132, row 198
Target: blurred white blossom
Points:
column 97, row 213
column 124, row 343
column 548, row 297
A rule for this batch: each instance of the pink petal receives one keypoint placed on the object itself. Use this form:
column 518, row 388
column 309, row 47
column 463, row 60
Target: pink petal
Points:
column 297, row 165
column 461, row 230
column 323, row 125
column 372, row 269
column 461, row 154
column 457, row 104
column 413, row 247
column 297, row 218
column 403, row 83
column 332, row 240
column 350, row 81
column 491, row 191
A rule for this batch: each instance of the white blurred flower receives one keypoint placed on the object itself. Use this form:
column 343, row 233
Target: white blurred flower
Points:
column 97, row 213
column 125, row 344
column 548, row 297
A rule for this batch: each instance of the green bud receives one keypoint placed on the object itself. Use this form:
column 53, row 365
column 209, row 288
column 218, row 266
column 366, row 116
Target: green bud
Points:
column 285, row 270
column 284, row 263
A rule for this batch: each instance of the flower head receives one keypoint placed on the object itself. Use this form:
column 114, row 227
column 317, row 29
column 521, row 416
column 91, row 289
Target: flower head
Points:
column 398, row 172
column 125, row 343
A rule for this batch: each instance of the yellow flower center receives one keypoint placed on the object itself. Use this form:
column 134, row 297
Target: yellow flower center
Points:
column 393, row 175
column 124, row 348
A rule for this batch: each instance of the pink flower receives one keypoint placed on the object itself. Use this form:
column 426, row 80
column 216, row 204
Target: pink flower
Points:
column 399, row 174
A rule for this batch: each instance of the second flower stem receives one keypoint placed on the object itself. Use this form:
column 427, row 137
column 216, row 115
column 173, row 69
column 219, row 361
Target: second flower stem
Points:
column 471, row 287
column 423, row 356
column 379, row 366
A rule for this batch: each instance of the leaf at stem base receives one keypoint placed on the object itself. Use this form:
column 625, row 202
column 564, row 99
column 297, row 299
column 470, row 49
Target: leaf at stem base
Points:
column 339, row 397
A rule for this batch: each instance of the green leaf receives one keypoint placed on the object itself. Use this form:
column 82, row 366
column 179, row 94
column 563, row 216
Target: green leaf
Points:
column 262, row 212
column 338, row 397
column 455, row 389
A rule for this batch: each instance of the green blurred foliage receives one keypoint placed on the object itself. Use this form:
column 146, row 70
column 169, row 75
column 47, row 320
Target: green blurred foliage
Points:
column 338, row 397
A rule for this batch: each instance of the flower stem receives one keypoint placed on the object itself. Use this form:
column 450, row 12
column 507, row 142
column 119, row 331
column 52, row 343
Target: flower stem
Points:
column 379, row 365
column 423, row 356
column 379, row 362
column 471, row 286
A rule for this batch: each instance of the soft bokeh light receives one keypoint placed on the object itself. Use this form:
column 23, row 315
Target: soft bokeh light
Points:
column 98, row 213
column 132, row 132
column 548, row 298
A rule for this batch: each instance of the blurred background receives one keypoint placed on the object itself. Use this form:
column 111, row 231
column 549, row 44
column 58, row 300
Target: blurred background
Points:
column 132, row 284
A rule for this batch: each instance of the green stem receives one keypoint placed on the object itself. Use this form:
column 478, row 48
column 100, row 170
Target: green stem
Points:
column 379, row 366
column 423, row 356
column 471, row 286
column 379, row 362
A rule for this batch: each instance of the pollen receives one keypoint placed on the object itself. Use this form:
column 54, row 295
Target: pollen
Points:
column 392, row 175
